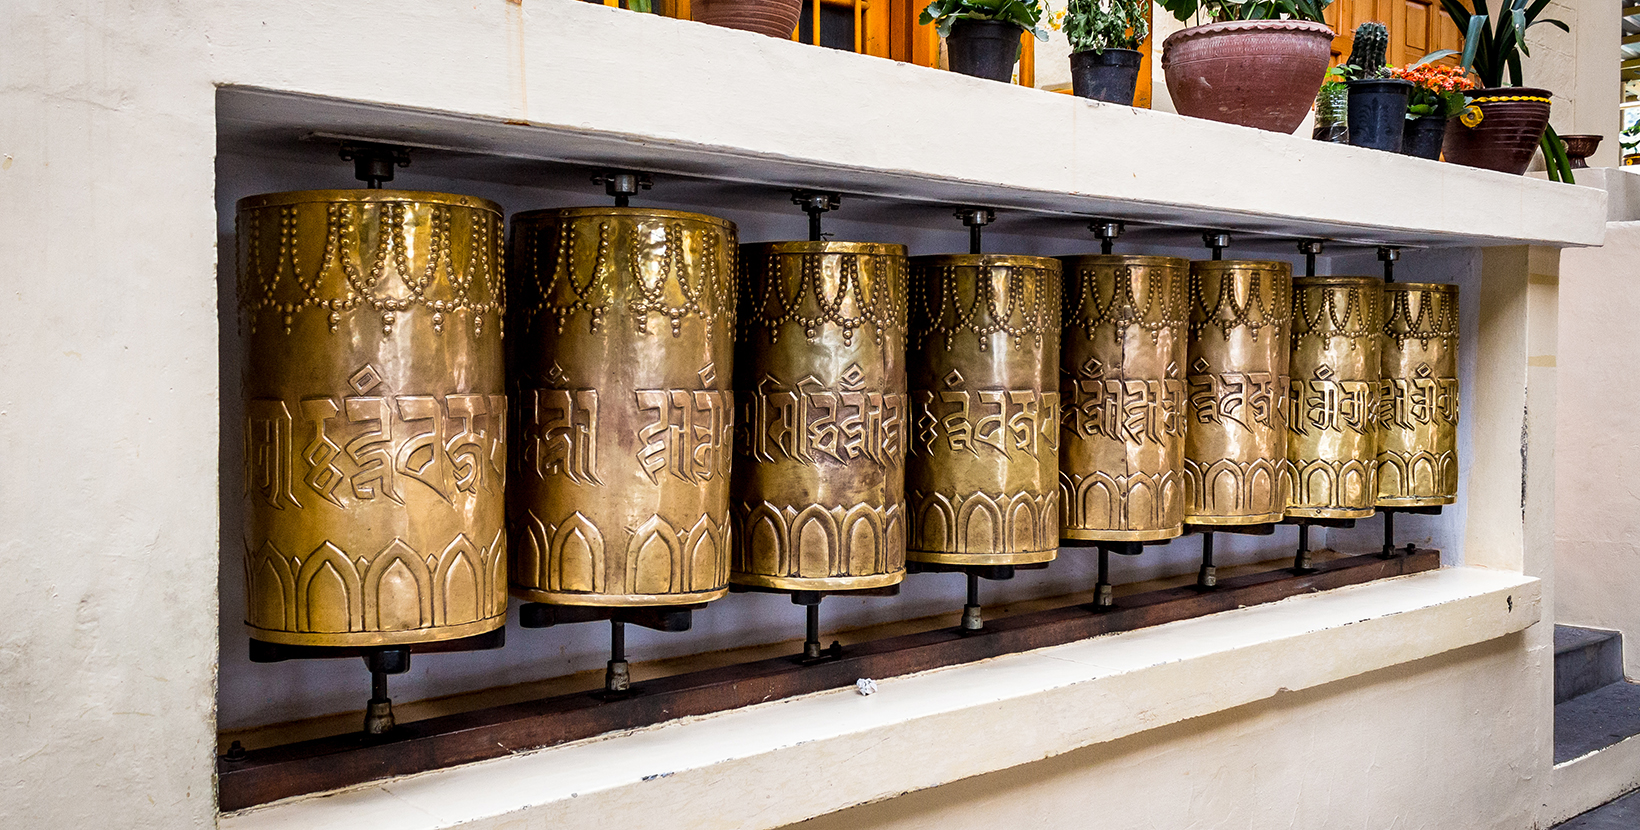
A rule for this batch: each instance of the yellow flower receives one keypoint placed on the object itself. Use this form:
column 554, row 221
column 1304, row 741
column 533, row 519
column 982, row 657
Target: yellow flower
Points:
column 1471, row 116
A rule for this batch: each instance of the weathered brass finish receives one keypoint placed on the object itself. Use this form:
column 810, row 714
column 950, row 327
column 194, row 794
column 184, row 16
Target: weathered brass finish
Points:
column 622, row 361
column 1332, row 444
column 1236, row 444
column 1418, row 403
column 1122, row 385
column 819, row 480
column 984, row 454
column 375, row 413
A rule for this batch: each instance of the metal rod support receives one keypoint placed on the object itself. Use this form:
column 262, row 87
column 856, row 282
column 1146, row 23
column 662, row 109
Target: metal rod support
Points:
column 1216, row 241
column 1388, row 256
column 971, row 619
column 1208, row 577
column 1103, row 596
column 1389, row 533
column 1302, row 561
column 1310, row 248
column 618, row 674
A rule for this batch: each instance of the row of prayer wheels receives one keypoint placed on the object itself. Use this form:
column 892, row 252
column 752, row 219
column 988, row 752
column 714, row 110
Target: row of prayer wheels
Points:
column 642, row 412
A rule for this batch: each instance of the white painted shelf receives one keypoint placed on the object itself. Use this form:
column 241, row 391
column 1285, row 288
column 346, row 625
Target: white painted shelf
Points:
column 919, row 731
column 535, row 81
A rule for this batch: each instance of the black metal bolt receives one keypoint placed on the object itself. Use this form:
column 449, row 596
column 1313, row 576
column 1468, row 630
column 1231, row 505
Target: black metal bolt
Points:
column 373, row 163
column 1107, row 230
column 1310, row 248
column 1208, row 577
column 1218, row 241
column 1388, row 255
column 976, row 218
column 623, row 184
column 815, row 203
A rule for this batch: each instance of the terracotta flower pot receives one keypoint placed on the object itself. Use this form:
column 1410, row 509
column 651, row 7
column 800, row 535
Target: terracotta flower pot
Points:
column 1511, row 121
column 775, row 18
column 1257, row 73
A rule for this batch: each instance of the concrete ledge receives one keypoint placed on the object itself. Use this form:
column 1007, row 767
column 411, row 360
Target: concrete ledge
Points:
column 1588, row 781
column 925, row 730
column 537, row 81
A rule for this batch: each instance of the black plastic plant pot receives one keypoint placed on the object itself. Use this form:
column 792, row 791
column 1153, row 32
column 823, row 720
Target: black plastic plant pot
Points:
column 1378, row 112
column 984, row 48
column 1422, row 136
column 1110, row 76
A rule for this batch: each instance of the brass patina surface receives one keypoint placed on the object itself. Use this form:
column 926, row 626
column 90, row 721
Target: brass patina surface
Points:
column 622, row 363
column 819, row 480
column 375, row 417
column 1236, row 445
column 1418, row 403
column 984, row 455
column 1122, row 378
column 1332, row 441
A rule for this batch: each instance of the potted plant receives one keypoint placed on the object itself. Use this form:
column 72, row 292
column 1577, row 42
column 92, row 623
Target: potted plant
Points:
column 1377, row 99
column 1501, row 126
column 1332, row 107
column 1438, row 93
column 982, row 36
column 775, row 18
column 1104, row 36
column 1258, row 64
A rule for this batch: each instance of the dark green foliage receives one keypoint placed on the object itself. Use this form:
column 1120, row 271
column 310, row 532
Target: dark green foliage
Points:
column 1097, row 25
column 1026, row 14
column 1490, row 50
column 1367, row 53
column 1220, row 11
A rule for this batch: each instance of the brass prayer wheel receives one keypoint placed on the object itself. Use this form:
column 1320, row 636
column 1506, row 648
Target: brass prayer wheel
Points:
column 984, row 453
column 1236, row 444
column 375, row 417
column 1418, row 402
column 1332, row 442
column 1122, row 376
column 623, row 358
column 819, row 479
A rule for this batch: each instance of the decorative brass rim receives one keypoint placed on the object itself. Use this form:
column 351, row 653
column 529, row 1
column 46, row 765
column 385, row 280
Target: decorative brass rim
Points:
column 1330, row 513
column 548, row 214
column 1093, row 260
column 354, row 639
column 1081, row 535
column 808, row 247
column 985, row 261
column 1436, row 501
column 1030, row 557
column 363, row 196
column 819, row 583
column 617, row 600
column 1232, row 521
column 1441, row 287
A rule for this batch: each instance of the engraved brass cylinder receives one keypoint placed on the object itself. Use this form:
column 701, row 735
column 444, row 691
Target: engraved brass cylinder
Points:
column 984, row 455
column 1418, row 404
column 1236, row 443
column 622, row 363
column 1122, row 386
column 1332, row 441
column 819, row 480
column 375, row 417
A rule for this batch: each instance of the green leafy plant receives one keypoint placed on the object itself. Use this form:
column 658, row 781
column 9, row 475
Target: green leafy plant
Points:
column 1026, row 14
column 1629, row 138
column 1097, row 25
column 1332, row 104
column 1491, row 48
column 1220, row 11
column 1555, row 160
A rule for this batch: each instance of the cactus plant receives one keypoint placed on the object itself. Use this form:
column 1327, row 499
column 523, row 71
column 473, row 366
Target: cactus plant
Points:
column 1367, row 53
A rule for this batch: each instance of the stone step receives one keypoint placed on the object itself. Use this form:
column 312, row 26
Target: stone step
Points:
column 1620, row 814
column 1586, row 659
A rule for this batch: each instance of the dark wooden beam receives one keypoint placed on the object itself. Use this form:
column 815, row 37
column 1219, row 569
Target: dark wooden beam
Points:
column 265, row 775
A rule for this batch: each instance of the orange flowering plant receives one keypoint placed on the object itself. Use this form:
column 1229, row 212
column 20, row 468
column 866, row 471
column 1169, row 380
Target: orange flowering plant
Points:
column 1436, row 89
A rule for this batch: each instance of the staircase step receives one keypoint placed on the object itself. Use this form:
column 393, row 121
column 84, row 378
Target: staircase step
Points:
column 1586, row 659
column 1620, row 814
column 1596, row 720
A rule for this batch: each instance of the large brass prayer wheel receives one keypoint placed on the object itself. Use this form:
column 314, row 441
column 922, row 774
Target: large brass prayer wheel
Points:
column 1122, row 377
column 984, row 455
column 623, row 355
column 1236, row 444
column 375, row 417
column 1332, row 442
column 819, row 480
column 1418, row 404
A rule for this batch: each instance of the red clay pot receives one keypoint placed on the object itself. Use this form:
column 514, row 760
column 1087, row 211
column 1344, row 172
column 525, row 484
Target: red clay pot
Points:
column 1507, row 134
column 1257, row 73
column 775, row 18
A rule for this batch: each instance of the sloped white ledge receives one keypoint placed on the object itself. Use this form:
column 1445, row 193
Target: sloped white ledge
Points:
column 535, row 80
column 924, row 730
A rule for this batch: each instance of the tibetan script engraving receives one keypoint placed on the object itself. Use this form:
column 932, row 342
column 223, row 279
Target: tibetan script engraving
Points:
column 1328, row 405
column 810, row 421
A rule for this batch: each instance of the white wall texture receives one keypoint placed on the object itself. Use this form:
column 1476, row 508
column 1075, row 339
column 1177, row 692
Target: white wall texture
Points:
column 1597, row 518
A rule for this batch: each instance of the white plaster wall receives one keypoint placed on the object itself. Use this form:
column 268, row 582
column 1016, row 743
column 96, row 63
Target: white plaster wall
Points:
column 1581, row 69
column 1597, row 518
column 108, row 422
